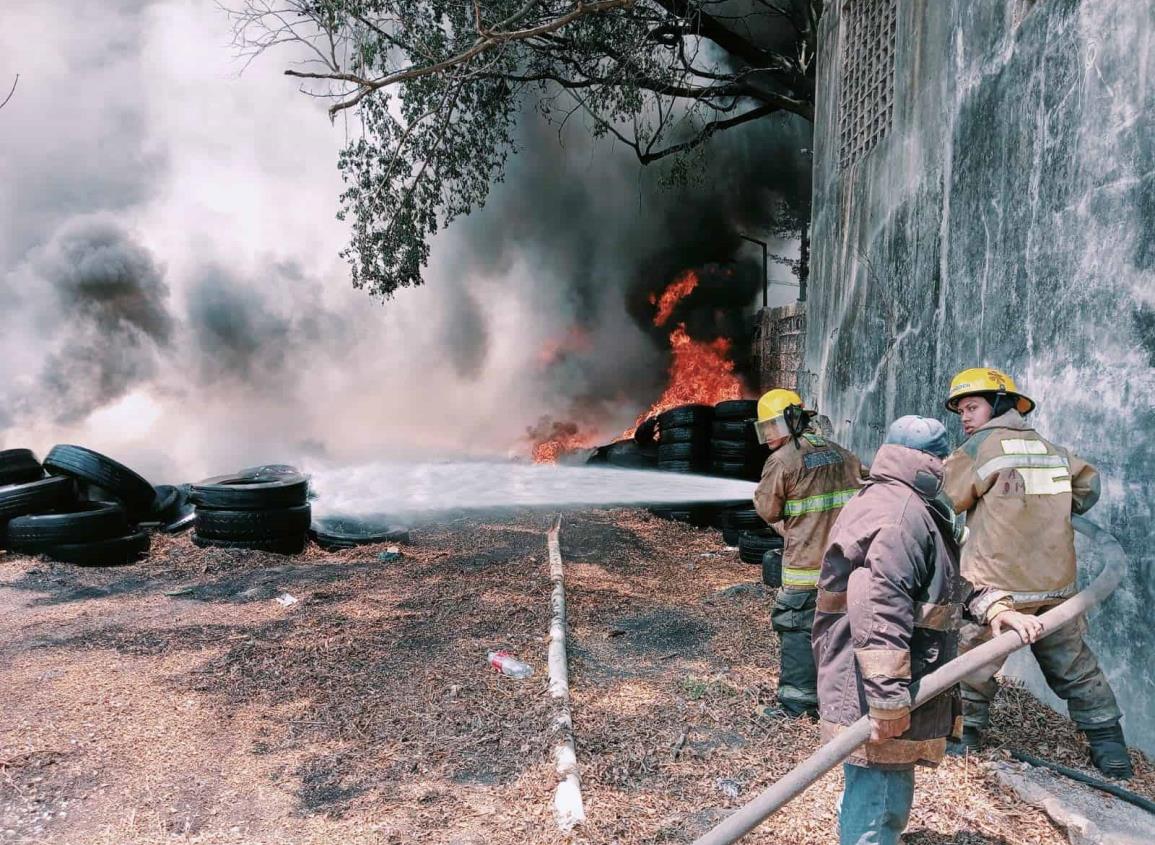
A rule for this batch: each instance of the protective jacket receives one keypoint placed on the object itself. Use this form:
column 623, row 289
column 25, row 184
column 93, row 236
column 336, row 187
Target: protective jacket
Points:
column 1018, row 491
column 804, row 485
column 890, row 603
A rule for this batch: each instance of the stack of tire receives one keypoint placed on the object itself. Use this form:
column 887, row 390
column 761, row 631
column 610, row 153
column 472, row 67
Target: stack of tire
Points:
column 683, row 435
column 88, row 511
column 734, row 448
column 260, row 508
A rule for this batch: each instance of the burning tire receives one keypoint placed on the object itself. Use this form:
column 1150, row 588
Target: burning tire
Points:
column 91, row 467
column 644, row 433
column 47, row 494
column 753, row 545
column 629, row 455
column 90, row 521
column 685, row 416
column 19, row 466
column 116, row 551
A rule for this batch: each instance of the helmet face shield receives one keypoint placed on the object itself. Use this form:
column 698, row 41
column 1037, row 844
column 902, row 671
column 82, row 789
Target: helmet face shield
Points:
column 768, row 431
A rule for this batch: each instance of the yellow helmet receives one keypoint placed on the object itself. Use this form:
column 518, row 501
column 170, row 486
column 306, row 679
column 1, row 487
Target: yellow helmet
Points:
column 771, row 423
column 986, row 380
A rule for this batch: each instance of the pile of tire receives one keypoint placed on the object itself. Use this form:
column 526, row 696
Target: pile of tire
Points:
column 88, row 509
column 683, row 436
column 626, row 454
column 735, row 520
column 261, row 508
column 753, row 545
column 734, row 448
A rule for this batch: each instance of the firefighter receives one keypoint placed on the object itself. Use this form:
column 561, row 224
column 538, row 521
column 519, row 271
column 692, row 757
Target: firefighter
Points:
column 805, row 481
column 890, row 601
column 1018, row 492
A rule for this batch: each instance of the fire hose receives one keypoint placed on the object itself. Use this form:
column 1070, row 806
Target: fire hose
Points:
column 798, row 779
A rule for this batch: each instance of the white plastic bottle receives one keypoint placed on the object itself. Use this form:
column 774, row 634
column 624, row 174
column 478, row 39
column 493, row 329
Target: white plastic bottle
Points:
column 507, row 664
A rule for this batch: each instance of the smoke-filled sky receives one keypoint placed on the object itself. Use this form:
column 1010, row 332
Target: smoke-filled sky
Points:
column 171, row 291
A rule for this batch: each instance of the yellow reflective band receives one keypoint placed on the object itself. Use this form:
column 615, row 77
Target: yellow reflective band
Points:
column 792, row 577
column 996, row 465
column 818, row 504
column 1016, row 446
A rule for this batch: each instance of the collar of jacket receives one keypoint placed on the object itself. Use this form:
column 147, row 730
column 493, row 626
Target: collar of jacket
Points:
column 1012, row 419
column 904, row 465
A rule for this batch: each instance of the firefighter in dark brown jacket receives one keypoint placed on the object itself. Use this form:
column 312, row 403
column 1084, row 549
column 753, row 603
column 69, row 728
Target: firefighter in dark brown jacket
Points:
column 890, row 602
column 805, row 482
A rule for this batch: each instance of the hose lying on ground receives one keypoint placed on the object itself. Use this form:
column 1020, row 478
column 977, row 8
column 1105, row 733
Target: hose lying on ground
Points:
column 1102, row 785
column 796, row 781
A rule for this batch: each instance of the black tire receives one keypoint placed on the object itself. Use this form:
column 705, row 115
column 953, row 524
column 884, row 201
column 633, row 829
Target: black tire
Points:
column 772, row 568
column 677, row 466
column 729, row 450
column 629, row 455
column 19, row 466
column 699, row 517
column 730, row 535
column 270, row 524
column 115, row 552
column 736, row 409
column 685, row 415
column 752, row 546
column 644, row 433
column 94, row 468
column 280, row 545
column 182, row 523
column 683, row 451
column 728, row 469
column 243, row 493
column 683, row 434
column 745, row 519
column 90, row 522
column 740, row 431
column 43, row 496
column 333, row 533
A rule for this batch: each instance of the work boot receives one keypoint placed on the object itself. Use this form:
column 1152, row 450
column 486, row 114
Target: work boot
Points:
column 971, row 742
column 780, row 712
column 1109, row 751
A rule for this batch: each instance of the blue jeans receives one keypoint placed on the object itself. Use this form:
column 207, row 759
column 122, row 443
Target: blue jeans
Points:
column 875, row 806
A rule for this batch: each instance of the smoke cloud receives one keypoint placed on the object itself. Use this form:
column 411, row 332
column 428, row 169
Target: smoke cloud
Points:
column 172, row 291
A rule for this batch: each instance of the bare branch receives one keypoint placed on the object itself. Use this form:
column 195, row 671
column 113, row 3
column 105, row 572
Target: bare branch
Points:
column 11, row 91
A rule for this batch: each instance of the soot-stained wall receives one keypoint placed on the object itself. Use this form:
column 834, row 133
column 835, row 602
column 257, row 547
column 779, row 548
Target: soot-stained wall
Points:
column 1005, row 218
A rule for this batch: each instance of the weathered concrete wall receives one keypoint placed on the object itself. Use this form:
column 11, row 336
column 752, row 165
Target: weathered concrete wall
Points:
column 1006, row 219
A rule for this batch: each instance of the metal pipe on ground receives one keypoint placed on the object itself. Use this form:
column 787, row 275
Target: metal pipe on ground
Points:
column 796, row 781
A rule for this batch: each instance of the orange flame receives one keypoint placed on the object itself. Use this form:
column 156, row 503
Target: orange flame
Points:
column 552, row 439
column 678, row 290
column 701, row 373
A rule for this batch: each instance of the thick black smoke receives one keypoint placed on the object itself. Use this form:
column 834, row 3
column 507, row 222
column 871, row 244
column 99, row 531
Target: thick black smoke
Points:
column 104, row 298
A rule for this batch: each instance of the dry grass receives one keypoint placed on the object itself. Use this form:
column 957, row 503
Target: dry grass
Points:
column 174, row 701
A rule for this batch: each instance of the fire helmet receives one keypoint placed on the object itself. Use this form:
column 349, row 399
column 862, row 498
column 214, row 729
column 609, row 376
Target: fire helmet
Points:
column 771, row 424
column 986, row 380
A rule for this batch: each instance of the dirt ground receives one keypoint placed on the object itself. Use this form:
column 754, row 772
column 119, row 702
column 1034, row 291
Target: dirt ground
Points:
column 177, row 701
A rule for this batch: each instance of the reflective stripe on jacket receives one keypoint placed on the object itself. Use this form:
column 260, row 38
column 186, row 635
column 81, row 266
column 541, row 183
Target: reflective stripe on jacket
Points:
column 1018, row 491
column 803, row 486
column 890, row 603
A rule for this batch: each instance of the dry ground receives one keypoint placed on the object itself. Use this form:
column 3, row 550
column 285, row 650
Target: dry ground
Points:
column 175, row 701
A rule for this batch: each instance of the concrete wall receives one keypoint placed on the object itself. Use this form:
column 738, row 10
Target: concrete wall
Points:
column 1007, row 218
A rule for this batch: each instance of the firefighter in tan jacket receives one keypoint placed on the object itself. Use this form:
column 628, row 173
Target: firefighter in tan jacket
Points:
column 1018, row 492
column 805, row 482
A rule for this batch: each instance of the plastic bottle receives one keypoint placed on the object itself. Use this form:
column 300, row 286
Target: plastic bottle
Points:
column 507, row 664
